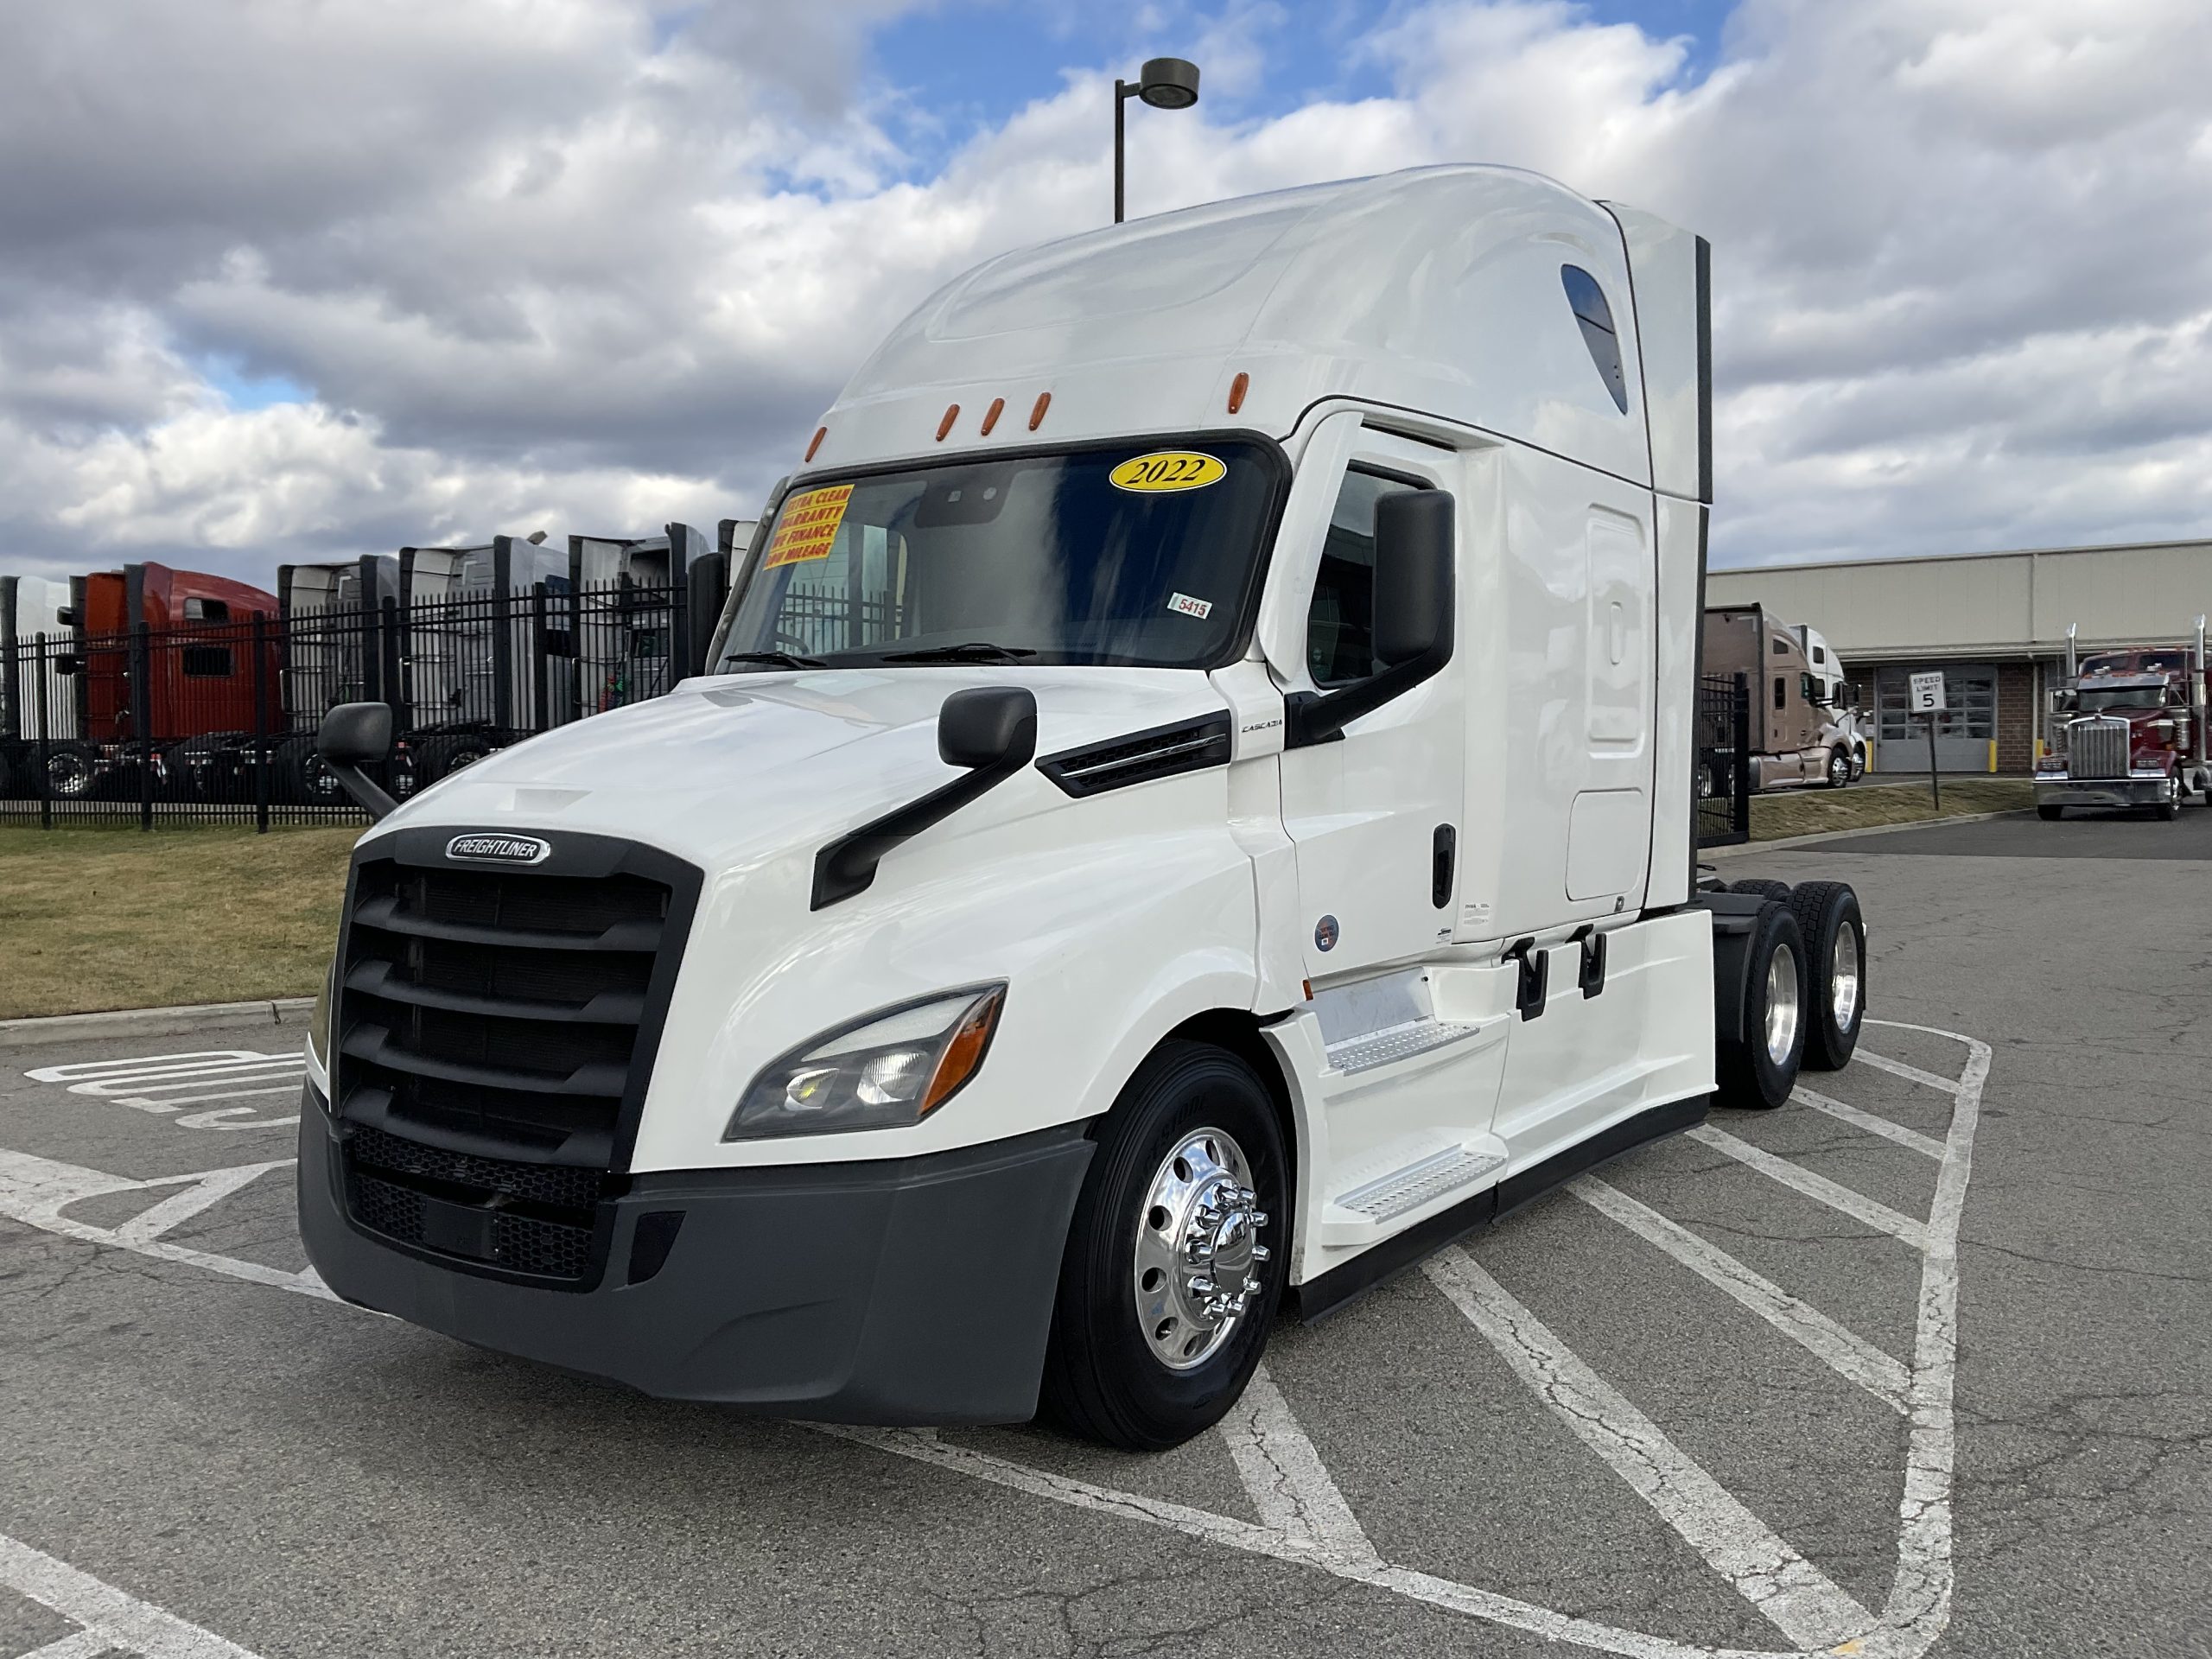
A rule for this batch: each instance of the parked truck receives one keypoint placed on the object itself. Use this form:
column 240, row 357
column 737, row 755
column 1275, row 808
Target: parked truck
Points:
column 1805, row 724
column 2134, row 731
column 1235, row 837
column 472, row 679
column 35, row 697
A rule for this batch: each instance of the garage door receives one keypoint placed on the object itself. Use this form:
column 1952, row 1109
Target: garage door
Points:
column 1963, row 731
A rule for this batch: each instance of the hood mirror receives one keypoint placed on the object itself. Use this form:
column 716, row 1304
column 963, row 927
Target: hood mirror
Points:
column 986, row 725
column 353, row 735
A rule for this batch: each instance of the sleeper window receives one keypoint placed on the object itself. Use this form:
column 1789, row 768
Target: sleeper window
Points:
column 1341, row 625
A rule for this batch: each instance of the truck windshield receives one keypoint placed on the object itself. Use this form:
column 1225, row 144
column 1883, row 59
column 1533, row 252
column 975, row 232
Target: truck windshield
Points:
column 1145, row 555
column 2122, row 696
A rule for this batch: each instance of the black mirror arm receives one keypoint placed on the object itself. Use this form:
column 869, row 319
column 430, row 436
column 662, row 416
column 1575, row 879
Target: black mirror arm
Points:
column 358, row 783
column 1317, row 717
column 846, row 866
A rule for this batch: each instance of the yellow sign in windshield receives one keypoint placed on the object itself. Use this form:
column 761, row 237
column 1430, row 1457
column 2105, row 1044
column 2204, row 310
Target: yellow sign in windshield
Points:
column 808, row 526
column 1167, row 469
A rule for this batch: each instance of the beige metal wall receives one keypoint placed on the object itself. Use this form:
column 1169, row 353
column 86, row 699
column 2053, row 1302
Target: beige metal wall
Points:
column 1984, row 605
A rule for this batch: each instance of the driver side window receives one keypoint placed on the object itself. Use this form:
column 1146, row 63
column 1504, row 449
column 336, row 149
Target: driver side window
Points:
column 1340, row 622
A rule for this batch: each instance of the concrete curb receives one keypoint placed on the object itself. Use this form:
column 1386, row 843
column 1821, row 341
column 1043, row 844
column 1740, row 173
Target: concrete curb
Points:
column 155, row 1022
column 1788, row 842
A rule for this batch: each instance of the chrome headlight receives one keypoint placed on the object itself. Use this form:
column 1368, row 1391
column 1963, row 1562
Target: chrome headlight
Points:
column 890, row 1069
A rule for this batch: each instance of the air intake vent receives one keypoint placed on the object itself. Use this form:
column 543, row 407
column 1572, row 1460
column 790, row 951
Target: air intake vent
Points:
column 1163, row 751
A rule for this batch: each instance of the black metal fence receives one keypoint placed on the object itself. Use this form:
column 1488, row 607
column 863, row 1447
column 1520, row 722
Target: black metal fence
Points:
column 217, row 720
column 1722, row 781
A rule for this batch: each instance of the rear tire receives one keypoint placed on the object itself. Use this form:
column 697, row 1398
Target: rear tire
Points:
column 2050, row 814
column 1105, row 1378
column 1756, row 1070
column 1763, row 888
column 1835, row 988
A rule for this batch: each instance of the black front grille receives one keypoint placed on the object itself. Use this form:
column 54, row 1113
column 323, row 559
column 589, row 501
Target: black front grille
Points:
column 495, row 1031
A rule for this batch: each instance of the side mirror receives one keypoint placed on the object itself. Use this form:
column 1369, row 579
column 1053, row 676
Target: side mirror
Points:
column 67, row 665
column 353, row 735
column 1416, row 599
column 990, row 731
column 988, row 726
column 1413, row 577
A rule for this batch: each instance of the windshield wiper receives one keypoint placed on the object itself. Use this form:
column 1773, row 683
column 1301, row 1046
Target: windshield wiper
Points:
column 974, row 651
column 775, row 658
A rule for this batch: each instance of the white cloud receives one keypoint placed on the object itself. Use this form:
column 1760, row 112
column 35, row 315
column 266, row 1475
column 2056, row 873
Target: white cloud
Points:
column 584, row 264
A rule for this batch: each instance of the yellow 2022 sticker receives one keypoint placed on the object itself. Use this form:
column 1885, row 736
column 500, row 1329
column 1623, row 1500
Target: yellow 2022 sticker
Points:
column 808, row 526
column 1167, row 469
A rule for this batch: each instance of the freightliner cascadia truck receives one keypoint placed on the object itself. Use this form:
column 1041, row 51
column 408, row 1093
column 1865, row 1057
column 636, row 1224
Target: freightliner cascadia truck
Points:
column 1190, row 810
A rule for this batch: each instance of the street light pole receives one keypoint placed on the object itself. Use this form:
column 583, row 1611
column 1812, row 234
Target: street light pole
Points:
column 1163, row 83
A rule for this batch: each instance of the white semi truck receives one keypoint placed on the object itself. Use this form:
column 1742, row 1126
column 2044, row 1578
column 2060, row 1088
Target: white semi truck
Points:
column 1192, row 807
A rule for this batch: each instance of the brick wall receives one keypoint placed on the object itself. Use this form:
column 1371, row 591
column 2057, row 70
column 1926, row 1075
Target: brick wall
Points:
column 2016, row 716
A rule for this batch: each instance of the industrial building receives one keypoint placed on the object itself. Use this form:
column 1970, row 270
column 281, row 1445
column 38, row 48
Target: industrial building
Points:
column 1995, row 623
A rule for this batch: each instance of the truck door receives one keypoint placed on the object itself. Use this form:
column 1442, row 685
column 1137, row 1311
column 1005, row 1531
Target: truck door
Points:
column 1374, row 815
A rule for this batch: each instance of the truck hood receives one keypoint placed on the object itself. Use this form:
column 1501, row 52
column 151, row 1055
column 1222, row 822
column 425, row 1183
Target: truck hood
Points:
column 728, row 771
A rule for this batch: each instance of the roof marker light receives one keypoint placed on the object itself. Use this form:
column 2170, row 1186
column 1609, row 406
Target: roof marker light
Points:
column 820, row 432
column 952, row 414
column 991, row 415
column 1237, row 388
column 1037, row 410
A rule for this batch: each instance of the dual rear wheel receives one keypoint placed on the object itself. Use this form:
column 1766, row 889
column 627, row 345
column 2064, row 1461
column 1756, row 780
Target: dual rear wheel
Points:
column 1803, row 989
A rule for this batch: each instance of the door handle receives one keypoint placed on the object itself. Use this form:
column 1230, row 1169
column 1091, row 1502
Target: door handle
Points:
column 1440, row 874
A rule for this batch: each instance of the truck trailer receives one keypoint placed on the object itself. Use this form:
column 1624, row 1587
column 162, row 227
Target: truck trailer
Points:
column 1190, row 810
column 1804, row 724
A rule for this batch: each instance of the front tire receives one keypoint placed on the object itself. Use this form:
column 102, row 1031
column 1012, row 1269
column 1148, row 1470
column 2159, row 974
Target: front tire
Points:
column 1756, row 1071
column 1838, row 769
column 2050, row 814
column 2170, row 809
column 1146, row 1349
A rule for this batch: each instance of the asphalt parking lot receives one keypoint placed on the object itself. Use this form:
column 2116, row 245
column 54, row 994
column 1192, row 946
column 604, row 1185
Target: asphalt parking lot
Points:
column 1921, row 1363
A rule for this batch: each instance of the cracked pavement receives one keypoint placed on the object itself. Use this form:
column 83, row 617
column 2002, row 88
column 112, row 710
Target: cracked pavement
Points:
column 305, row 1480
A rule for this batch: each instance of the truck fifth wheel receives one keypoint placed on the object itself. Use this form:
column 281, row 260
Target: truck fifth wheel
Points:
column 1190, row 807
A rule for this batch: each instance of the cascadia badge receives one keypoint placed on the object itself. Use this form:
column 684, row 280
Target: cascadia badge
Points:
column 499, row 850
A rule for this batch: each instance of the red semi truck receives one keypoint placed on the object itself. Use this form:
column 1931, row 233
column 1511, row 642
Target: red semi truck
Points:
column 2134, row 732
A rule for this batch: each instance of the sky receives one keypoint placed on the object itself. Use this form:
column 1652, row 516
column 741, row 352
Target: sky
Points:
column 300, row 281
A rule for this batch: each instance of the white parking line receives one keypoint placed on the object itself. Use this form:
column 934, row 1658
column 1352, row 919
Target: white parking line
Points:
column 1836, row 1196
column 1305, row 1518
column 1288, row 1483
column 1926, row 1145
column 1848, row 1354
column 1802, row 1600
column 114, row 1620
column 1900, row 1069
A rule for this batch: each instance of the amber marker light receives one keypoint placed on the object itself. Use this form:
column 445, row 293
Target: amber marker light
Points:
column 952, row 414
column 1037, row 410
column 991, row 415
column 965, row 1052
column 820, row 433
column 1237, row 388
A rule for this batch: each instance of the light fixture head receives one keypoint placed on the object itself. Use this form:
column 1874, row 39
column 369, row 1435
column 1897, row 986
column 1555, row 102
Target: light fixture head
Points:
column 1168, row 82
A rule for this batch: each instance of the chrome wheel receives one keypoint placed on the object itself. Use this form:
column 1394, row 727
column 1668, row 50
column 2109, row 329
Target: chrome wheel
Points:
column 1199, row 1254
column 1838, row 769
column 1843, row 977
column 1782, row 1004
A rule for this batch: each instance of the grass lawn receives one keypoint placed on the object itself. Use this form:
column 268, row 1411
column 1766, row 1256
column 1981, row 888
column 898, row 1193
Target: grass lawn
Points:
column 118, row 918
column 1810, row 811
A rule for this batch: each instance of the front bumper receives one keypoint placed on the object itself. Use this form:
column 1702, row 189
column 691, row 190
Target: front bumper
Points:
column 915, row 1290
column 2136, row 789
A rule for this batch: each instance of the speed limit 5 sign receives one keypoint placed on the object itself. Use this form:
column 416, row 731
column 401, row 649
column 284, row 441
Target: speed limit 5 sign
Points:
column 1928, row 692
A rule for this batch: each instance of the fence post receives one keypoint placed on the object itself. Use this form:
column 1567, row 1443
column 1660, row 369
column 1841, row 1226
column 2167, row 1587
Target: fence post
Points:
column 395, row 684
column 502, row 638
column 260, row 723
column 1740, row 810
column 541, row 672
column 45, row 728
column 580, row 649
column 141, row 715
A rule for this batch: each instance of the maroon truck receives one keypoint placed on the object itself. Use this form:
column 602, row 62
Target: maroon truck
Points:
column 2134, row 733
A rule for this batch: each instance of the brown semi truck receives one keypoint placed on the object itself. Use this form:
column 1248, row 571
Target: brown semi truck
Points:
column 1801, row 729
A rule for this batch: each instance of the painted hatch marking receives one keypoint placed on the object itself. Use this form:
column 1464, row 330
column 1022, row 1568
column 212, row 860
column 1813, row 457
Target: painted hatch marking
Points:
column 110, row 1620
column 1303, row 1515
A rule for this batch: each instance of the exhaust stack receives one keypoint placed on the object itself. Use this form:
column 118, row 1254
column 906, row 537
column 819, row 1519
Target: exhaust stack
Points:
column 2072, row 673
